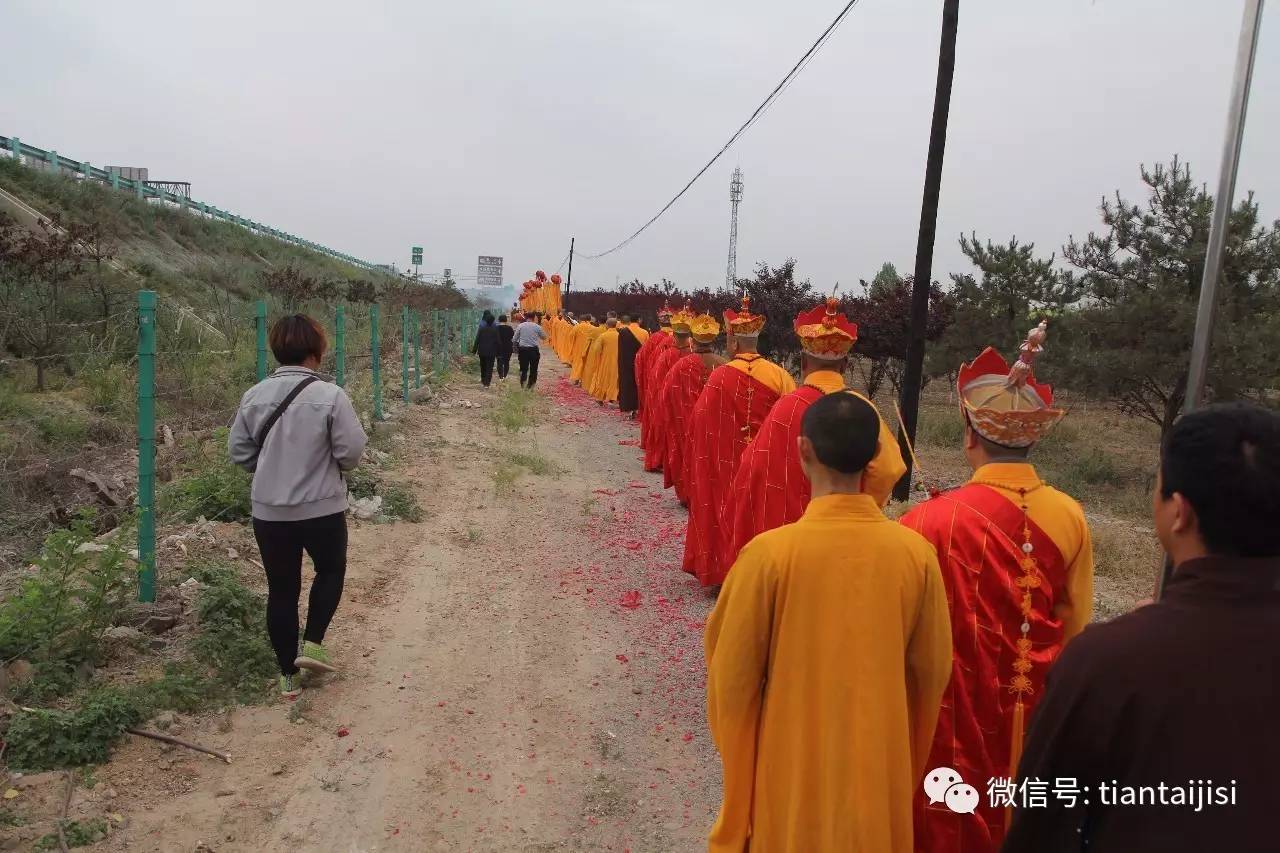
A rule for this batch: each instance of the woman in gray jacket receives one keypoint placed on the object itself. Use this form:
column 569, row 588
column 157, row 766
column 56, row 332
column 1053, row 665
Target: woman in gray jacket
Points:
column 298, row 433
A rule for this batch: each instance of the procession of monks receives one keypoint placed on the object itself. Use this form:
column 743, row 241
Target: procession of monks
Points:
column 997, row 580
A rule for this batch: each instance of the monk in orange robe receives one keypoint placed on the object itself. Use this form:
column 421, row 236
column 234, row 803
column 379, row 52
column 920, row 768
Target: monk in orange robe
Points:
column 584, row 334
column 726, row 416
column 827, row 654
column 1017, row 561
column 679, row 393
column 769, row 489
column 649, row 351
column 655, row 447
column 602, row 365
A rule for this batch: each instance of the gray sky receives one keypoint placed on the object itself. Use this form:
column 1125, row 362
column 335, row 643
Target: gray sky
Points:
column 502, row 127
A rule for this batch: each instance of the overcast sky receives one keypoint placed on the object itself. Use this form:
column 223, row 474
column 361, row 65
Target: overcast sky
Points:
column 501, row 127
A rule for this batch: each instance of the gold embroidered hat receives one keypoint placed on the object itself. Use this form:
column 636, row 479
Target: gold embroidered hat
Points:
column 664, row 314
column 743, row 323
column 825, row 333
column 1005, row 405
column 682, row 320
column 704, row 329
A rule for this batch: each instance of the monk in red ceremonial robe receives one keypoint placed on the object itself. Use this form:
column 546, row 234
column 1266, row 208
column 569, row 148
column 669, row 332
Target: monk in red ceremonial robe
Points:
column 1017, row 562
column 651, row 412
column 726, row 417
column 679, row 393
column 657, row 342
column 769, row 488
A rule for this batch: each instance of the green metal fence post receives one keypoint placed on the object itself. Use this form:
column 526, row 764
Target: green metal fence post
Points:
column 437, row 341
column 404, row 353
column 462, row 333
column 147, row 445
column 340, row 346
column 417, row 348
column 261, row 322
column 376, row 345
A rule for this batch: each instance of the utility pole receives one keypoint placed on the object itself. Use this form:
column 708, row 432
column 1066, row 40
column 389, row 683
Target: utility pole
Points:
column 735, row 198
column 568, row 281
column 912, row 375
column 1198, row 370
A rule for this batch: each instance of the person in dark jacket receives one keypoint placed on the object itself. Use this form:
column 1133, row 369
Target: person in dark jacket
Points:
column 505, row 346
column 486, row 346
column 1162, row 722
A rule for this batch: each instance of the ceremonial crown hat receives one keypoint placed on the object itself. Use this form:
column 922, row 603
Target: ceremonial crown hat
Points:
column 540, row 276
column 704, row 328
column 555, row 278
column 682, row 320
column 1005, row 405
column 825, row 333
column 664, row 313
column 743, row 323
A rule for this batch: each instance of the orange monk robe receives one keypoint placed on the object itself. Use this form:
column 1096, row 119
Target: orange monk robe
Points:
column 583, row 334
column 676, row 399
column 652, row 411
column 558, row 328
column 604, row 375
column 769, row 488
column 729, row 411
column 591, row 363
column 827, row 654
column 978, row 531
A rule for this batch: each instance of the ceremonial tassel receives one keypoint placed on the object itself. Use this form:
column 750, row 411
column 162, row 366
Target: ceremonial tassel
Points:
column 1015, row 752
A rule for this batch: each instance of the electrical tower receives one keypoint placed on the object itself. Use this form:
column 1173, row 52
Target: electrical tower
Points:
column 735, row 197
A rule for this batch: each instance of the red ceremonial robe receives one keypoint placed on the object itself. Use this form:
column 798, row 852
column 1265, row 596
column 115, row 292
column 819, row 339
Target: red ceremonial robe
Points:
column 679, row 394
column 979, row 533
column 732, row 406
column 655, row 450
column 656, row 342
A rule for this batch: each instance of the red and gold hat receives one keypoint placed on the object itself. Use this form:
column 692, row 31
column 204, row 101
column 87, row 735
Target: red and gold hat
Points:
column 1005, row 405
column 704, row 329
column 825, row 333
column 664, row 314
column 539, row 276
column 682, row 320
column 555, row 278
column 743, row 324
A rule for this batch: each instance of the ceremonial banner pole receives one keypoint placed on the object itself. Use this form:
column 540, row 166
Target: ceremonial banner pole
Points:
column 1218, row 225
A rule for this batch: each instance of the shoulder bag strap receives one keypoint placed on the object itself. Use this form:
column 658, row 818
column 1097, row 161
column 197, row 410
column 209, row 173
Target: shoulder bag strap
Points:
column 261, row 437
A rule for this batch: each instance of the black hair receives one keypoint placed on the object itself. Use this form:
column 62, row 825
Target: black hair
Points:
column 626, row 318
column 1225, row 460
column 844, row 430
column 502, row 318
column 487, row 318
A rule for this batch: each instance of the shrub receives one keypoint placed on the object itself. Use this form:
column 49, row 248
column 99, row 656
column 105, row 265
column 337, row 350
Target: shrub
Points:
column 219, row 489
column 940, row 427
column 399, row 501
column 79, row 833
column 46, row 740
column 232, row 640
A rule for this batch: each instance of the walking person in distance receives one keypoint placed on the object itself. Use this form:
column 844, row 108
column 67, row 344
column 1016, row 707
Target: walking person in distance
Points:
column 487, row 344
column 506, row 333
column 527, row 337
column 298, row 433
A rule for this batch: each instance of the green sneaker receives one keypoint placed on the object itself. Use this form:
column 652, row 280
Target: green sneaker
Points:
column 314, row 658
column 290, row 686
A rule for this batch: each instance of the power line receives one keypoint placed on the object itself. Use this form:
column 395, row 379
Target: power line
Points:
column 759, row 111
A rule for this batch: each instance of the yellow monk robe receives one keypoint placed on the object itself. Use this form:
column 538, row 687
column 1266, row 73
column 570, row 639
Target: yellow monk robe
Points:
column 639, row 331
column 581, row 346
column 604, row 378
column 554, row 337
column 827, row 655
column 771, row 375
column 565, row 339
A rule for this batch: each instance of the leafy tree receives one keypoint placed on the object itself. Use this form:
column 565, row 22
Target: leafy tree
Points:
column 1131, row 342
column 883, row 315
column 1015, row 289
column 775, row 293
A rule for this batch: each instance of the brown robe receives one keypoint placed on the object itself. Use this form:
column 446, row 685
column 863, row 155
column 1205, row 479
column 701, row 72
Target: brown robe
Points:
column 1184, row 689
column 628, row 346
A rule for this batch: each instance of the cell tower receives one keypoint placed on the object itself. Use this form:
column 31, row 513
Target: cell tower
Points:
column 735, row 197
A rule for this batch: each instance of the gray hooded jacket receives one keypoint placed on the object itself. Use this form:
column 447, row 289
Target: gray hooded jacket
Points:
column 297, row 474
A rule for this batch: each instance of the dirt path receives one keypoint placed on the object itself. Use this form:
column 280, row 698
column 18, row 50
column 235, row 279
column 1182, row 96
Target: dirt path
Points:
column 523, row 671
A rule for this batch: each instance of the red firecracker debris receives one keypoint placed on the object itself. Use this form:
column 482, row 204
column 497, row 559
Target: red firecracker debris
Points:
column 343, row 732
column 630, row 599
column 621, row 658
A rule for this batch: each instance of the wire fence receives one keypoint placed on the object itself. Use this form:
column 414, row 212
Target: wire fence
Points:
column 172, row 389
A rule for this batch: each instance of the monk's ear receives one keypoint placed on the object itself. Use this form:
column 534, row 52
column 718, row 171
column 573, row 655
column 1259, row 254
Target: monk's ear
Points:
column 805, row 446
column 1185, row 519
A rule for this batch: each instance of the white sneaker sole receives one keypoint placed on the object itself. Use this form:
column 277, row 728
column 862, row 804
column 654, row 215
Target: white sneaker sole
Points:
column 313, row 665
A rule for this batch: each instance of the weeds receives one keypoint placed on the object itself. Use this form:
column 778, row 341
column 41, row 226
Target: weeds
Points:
column 218, row 489
column 939, row 427
column 515, row 411
column 474, row 535
column 79, row 833
column 49, row 739
column 399, row 501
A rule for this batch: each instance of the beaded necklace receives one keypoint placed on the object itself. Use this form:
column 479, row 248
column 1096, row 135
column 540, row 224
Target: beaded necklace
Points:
column 745, row 429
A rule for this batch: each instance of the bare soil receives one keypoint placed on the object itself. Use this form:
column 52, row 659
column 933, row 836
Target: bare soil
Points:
column 521, row 671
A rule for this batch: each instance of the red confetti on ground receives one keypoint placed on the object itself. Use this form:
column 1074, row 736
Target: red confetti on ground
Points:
column 630, row 599
column 688, row 736
column 620, row 658
column 630, row 442
column 343, row 732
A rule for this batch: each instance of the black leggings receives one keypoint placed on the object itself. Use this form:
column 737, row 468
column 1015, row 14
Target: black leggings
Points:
column 486, row 369
column 281, row 544
column 504, row 364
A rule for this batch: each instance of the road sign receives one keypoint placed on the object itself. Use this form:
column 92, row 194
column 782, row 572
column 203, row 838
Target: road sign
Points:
column 489, row 271
column 417, row 255
column 448, row 273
